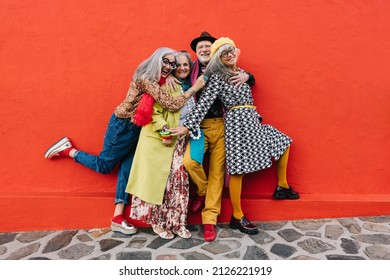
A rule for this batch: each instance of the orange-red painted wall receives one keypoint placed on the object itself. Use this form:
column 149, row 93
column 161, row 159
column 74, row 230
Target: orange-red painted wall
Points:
column 322, row 77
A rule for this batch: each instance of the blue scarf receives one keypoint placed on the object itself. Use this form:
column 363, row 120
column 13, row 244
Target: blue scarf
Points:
column 185, row 84
column 196, row 146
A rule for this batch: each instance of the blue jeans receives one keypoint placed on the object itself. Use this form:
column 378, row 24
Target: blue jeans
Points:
column 119, row 146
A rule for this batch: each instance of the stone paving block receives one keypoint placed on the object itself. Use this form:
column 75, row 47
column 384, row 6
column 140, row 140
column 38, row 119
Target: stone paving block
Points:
column 137, row 242
column 7, row 237
column 350, row 246
column 313, row 234
column 377, row 252
column 139, row 255
column 283, row 250
column 108, row 244
column 351, row 224
column 84, row 237
column 158, row 242
column 186, row 243
column 376, row 227
column 104, row 257
column 315, row 246
column 333, row 231
column 218, row 247
column 166, row 257
column 343, row 257
column 195, row 256
column 262, row 237
column 76, row 252
column 24, row 252
column 373, row 238
column 229, row 233
column 233, row 255
column 59, row 241
column 376, row 219
column 305, row 225
column 290, row 234
column 97, row 232
column 255, row 253
column 27, row 237
column 271, row 225
column 303, row 257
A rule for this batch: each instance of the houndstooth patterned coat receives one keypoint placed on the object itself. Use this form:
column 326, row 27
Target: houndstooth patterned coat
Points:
column 250, row 145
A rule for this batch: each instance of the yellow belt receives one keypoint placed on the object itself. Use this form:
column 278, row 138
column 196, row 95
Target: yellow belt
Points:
column 242, row 106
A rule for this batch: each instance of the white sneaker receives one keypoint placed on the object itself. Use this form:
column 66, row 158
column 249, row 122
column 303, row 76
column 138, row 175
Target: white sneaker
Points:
column 61, row 145
column 123, row 227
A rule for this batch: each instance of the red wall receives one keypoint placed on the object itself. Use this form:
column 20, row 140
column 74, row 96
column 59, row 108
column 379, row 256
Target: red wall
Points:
column 322, row 77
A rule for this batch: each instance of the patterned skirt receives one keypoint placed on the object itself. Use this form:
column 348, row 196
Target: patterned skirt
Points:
column 172, row 213
column 250, row 145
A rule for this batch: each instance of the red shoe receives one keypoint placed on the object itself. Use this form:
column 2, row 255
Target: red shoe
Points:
column 209, row 232
column 197, row 204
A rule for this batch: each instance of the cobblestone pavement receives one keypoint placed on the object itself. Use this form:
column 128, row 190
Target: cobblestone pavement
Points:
column 363, row 238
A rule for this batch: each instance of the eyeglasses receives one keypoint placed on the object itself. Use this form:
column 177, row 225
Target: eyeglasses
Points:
column 226, row 52
column 167, row 63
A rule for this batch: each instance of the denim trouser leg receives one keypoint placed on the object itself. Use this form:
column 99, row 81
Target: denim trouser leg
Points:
column 121, row 196
column 119, row 146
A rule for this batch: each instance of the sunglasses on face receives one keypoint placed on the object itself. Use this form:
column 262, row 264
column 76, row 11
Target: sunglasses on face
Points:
column 169, row 64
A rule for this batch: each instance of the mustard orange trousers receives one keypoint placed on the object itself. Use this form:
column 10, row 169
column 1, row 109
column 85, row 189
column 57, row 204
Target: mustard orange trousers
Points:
column 211, row 184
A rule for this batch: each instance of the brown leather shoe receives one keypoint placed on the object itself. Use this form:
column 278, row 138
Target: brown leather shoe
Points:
column 244, row 225
column 209, row 232
column 197, row 204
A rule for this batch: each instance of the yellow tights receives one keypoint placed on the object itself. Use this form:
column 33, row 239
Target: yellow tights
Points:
column 236, row 184
column 282, row 169
column 235, row 194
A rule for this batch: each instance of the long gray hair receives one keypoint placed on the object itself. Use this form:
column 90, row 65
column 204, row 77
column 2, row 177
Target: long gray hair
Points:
column 150, row 68
column 215, row 65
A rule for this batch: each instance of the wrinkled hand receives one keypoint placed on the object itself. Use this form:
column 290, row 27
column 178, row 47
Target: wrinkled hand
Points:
column 167, row 142
column 200, row 82
column 179, row 131
column 171, row 83
column 239, row 79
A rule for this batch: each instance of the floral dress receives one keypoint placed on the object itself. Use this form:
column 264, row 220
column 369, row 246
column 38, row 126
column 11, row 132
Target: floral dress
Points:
column 172, row 213
column 250, row 145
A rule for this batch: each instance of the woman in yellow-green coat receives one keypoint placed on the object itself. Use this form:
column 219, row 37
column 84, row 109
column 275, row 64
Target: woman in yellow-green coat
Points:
column 152, row 160
column 158, row 181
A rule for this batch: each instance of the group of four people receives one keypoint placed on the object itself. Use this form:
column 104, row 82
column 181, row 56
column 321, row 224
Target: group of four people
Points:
column 148, row 137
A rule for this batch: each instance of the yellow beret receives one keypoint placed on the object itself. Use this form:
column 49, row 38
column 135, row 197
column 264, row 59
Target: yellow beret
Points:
column 220, row 42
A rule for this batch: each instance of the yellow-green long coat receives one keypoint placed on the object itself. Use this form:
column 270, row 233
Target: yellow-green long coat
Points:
column 152, row 160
